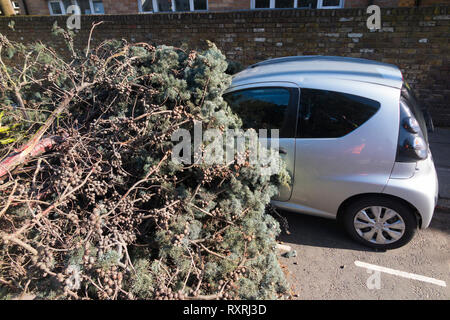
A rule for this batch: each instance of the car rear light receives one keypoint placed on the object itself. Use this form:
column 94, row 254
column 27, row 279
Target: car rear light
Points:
column 416, row 144
column 411, row 142
column 411, row 124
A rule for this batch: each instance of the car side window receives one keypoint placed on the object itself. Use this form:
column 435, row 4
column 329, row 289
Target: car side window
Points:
column 262, row 108
column 330, row 114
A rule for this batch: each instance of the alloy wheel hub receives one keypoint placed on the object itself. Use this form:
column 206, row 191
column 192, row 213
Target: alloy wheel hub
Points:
column 380, row 225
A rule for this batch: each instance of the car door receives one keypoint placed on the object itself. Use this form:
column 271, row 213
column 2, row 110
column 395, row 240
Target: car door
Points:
column 269, row 106
column 337, row 152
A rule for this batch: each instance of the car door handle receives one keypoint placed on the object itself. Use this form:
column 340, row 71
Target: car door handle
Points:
column 282, row 151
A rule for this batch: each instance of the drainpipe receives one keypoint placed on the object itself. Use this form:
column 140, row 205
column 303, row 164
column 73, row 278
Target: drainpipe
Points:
column 7, row 8
column 25, row 7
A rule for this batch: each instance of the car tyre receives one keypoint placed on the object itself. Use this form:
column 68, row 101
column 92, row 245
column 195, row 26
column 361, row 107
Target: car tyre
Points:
column 379, row 223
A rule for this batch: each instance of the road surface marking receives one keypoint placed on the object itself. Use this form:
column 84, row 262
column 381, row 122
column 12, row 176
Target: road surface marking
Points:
column 400, row 273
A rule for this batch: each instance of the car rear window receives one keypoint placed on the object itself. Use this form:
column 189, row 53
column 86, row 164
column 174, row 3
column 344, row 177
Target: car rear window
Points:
column 330, row 114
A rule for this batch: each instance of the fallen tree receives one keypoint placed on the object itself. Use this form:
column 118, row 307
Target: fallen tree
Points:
column 91, row 204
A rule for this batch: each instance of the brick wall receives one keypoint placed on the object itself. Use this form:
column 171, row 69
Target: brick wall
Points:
column 218, row 5
column 120, row 7
column 40, row 7
column 36, row 7
column 415, row 39
column 366, row 3
column 406, row 3
column 384, row 3
column 434, row 2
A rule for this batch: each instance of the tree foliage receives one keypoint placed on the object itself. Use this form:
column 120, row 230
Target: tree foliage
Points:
column 91, row 205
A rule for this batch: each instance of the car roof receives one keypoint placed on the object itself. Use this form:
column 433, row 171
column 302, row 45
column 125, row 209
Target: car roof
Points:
column 298, row 68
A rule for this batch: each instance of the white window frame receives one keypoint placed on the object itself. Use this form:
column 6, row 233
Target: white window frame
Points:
column 91, row 4
column 15, row 5
column 141, row 10
column 174, row 9
column 271, row 5
column 63, row 9
column 319, row 5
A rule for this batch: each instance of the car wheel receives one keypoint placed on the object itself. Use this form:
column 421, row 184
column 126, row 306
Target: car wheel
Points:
column 380, row 223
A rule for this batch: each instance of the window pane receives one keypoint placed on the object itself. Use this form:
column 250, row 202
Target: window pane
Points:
column 262, row 3
column 260, row 108
column 200, row 4
column 164, row 5
column 284, row 3
column 85, row 7
column 56, row 8
column 98, row 7
column 182, row 5
column 312, row 4
column 330, row 3
column 68, row 3
column 329, row 114
column 147, row 5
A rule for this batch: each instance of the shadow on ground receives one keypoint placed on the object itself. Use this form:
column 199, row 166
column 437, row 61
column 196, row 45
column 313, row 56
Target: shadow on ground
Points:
column 317, row 232
column 441, row 221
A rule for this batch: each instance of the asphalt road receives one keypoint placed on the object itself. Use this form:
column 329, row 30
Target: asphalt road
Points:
column 324, row 267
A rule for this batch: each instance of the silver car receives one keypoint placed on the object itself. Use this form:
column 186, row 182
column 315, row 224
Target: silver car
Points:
column 354, row 140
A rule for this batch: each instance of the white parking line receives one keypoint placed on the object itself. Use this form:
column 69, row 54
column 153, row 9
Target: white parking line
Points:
column 400, row 273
